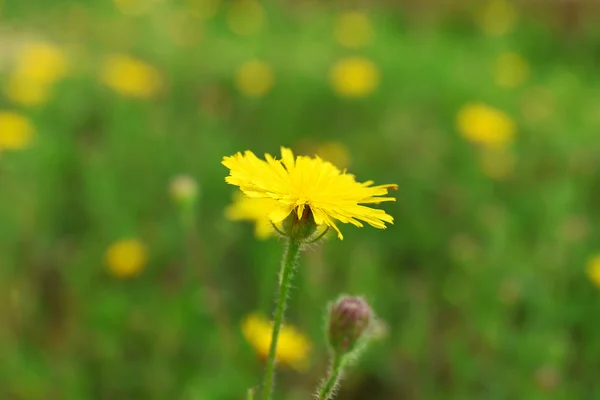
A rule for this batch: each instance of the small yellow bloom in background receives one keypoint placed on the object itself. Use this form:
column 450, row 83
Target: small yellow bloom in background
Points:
column 41, row 62
column 245, row 17
column 593, row 269
column 293, row 347
column 353, row 29
column 354, row 77
column 203, row 9
column 183, row 189
column 497, row 164
column 510, row 70
column 16, row 131
column 296, row 184
column 126, row 258
column 257, row 210
column 129, row 76
column 485, row 125
column 497, row 17
column 254, row 78
column 37, row 66
column 334, row 152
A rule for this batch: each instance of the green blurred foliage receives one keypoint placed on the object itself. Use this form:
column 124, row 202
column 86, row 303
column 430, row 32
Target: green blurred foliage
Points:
column 481, row 282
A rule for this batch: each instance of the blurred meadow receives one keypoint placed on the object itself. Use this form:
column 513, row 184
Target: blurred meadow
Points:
column 125, row 273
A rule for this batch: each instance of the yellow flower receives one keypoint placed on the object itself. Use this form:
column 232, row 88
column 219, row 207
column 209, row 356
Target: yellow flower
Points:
column 497, row 17
column 298, row 183
column 245, row 17
column 246, row 208
column 16, row 132
column 593, row 269
column 510, row 70
column 334, row 152
column 43, row 63
column 485, row 125
column 293, row 348
column 354, row 77
column 126, row 258
column 353, row 29
column 497, row 164
column 37, row 66
column 130, row 77
column 254, row 78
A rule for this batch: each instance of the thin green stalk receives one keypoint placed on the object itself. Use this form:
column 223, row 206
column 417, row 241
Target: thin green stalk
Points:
column 337, row 367
column 288, row 264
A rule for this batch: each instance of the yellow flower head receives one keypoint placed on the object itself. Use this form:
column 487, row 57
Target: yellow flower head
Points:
column 130, row 77
column 296, row 183
column 485, row 125
column 511, row 70
column 354, row 77
column 126, row 258
column 593, row 269
column 16, row 132
column 353, row 29
column 293, row 348
column 254, row 78
column 497, row 17
column 246, row 208
column 245, row 17
column 37, row 66
column 40, row 62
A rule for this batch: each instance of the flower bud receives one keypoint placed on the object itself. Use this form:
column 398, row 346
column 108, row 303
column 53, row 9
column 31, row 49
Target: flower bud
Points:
column 349, row 318
column 300, row 229
column 184, row 189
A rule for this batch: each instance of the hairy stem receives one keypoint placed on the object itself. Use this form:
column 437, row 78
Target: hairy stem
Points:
column 288, row 264
column 326, row 391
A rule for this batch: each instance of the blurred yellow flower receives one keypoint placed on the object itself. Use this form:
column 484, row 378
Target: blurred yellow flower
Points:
column 485, row 125
column 37, row 66
column 293, row 347
column 203, row 9
column 354, row 77
column 245, row 17
column 254, row 78
column 126, row 258
column 510, row 70
column 497, row 163
column 16, row 131
column 334, row 152
column 497, row 17
column 130, row 77
column 353, row 29
column 246, row 208
column 593, row 269
column 40, row 62
column 183, row 189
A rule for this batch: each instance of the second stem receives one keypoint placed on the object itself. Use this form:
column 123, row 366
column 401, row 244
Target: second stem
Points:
column 288, row 265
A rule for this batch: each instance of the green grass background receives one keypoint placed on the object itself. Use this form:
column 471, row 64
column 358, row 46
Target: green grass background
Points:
column 481, row 283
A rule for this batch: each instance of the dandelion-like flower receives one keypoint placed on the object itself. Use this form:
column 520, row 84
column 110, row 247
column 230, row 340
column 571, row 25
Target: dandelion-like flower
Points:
column 130, row 77
column 293, row 347
column 485, row 125
column 126, row 258
column 593, row 269
column 254, row 78
column 299, row 184
column 354, row 77
column 16, row 131
column 245, row 208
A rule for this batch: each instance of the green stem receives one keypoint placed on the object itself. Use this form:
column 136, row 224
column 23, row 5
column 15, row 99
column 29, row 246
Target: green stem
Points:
column 337, row 367
column 288, row 265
